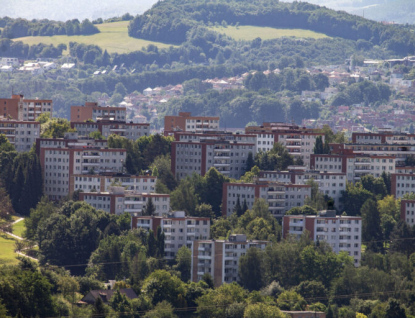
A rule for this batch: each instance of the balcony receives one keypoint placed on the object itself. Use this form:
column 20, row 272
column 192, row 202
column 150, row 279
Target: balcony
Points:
column 293, row 138
column 90, row 164
column 221, row 157
column 221, row 164
column 204, row 256
column 132, row 210
column 221, row 150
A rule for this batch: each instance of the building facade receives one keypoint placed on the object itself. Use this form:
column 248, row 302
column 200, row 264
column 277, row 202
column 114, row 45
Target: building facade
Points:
column 408, row 211
column 179, row 230
column 62, row 158
column 342, row 233
column 186, row 122
column 22, row 109
column 21, row 134
column 220, row 258
column 130, row 131
column 118, row 200
column 197, row 153
column 280, row 197
column 91, row 111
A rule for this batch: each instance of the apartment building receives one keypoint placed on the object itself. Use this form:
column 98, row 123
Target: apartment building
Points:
column 103, row 181
column 91, row 111
column 22, row 109
column 280, row 197
column 299, row 142
column 179, row 229
column 402, row 183
column 354, row 166
column 329, row 183
column 408, row 211
column 64, row 157
column 197, row 153
column 118, row 200
column 384, row 136
column 220, row 258
column 342, row 233
column 130, row 131
column 21, row 134
column 186, row 122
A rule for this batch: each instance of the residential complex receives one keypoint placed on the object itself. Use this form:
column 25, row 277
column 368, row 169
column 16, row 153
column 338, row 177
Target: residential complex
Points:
column 117, row 200
column 186, row 122
column 280, row 197
column 22, row 109
column 62, row 158
column 197, row 153
column 21, row 134
column 341, row 233
column 179, row 229
column 107, row 127
column 408, row 211
column 220, row 258
column 299, row 142
column 103, row 181
column 91, row 111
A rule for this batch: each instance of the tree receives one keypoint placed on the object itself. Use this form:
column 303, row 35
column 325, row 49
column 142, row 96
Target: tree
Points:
column 214, row 184
column 96, row 135
column 161, row 285
column 249, row 162
column 99, row 309
column 162, row 310
column 237, row 208
column 371, row 227
column 260, row 310
column 204, row 210
column 290, row 300
column 150, row 208
column 183, row 259
column 215, row 301
column 251, row 271
column 394, row 309
column 354, row 197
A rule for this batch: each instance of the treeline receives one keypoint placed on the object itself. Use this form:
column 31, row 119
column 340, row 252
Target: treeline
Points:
column 16, row 28
column 366, row 92
column 21, row 175
column 20, row 50
column 169, row 21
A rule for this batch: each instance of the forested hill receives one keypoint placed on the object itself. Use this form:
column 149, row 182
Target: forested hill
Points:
column 170, row 20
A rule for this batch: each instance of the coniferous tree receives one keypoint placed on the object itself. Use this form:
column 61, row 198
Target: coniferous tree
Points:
column 238, row 209
column 244, row 206
column 371, row 227
column 318, row 146
column 249, row 162
column 160, row 242
column 149, row 209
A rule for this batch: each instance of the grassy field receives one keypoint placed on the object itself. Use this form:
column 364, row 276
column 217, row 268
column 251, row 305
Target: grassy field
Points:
column 7, row 255
column 113, row 37
column 248, row 32
column 19, row 228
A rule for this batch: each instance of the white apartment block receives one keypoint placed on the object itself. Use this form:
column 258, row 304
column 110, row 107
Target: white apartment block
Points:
column 131, row 131
column 354, row 166
column 9, row 61
column 197, row 153
column 21, row 134
column 179, row 230
column 62, row 158
column 118, row 200
column 103, row 181
column 279, row 196
column 299, row 142
column 330, row 183
column 402, row 183
column 186, row 122
column 342, row 233
column 220, row 258
column 408, row 211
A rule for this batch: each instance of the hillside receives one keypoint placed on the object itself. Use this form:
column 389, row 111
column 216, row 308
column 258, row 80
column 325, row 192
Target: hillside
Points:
column 113, row 37
column 171, row 20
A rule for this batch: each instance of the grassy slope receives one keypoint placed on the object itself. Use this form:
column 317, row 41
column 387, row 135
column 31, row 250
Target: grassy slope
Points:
column 113, row 37
column 7, row 255
column 248, row 33
column 19, row 228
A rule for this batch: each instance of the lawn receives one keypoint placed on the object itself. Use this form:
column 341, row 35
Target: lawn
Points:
column 7, row 255
column 113, row 38
column 248, row 32
column 19, row 228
